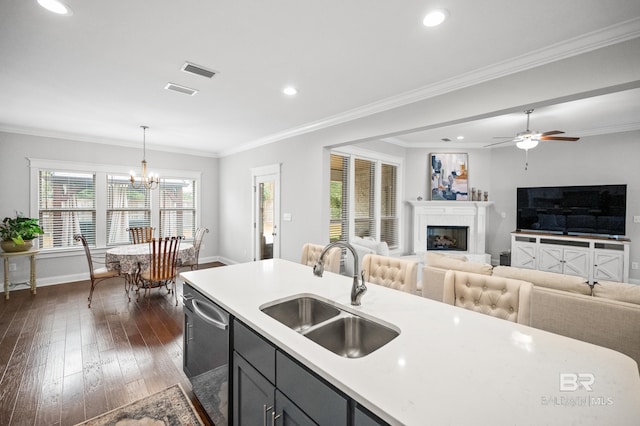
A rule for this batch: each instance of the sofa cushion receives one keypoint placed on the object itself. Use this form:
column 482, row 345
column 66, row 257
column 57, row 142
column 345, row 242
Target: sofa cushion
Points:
column 439, row 260
column 564, row 282
column 622, row 292
column 379, row 247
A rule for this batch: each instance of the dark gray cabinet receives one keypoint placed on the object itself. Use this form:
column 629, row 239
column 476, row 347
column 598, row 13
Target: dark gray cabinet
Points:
column 271, row 388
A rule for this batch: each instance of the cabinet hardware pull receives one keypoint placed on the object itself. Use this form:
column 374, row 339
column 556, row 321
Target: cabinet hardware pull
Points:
column 274, row 417
column 264, row 413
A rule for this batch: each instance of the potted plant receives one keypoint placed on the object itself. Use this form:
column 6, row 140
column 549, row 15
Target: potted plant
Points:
column 17, row 232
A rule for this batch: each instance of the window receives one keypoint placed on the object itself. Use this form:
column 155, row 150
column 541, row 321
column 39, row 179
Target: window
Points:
column 99, row 202
column 364, row 200
column 177, row 208
column 67, row 207
column 339, row 191
column 127, row 207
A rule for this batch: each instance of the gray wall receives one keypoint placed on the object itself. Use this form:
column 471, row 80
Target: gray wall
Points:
column 15, row 191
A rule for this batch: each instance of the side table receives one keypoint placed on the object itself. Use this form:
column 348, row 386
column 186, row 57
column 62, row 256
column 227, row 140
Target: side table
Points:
column 32, row 277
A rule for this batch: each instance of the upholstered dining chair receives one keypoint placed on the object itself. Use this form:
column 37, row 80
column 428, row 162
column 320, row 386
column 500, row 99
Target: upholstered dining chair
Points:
column 311, row 254
column 393, row 272
column 505, row 298
column 163, row 263
column 141, row 235
column 197, row 243
column 97, row 275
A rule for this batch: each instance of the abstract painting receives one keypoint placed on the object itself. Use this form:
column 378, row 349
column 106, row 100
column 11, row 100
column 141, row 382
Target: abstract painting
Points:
column 449, row 176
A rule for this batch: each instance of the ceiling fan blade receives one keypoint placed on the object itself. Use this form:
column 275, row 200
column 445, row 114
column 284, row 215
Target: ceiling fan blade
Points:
column 552, row 132
column 496, row 143
column 503, row 137
column 558, row 138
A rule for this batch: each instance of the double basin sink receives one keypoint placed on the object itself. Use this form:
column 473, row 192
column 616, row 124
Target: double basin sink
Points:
column 342, row 332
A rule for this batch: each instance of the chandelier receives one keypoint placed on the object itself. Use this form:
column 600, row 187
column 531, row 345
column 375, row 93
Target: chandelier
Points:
column 149, row 181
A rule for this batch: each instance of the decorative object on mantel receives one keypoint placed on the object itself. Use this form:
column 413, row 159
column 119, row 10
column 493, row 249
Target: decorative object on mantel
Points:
column 149, row 181
column 449, row 176
column 167, row 407
column 419, row 198
column 18, row 232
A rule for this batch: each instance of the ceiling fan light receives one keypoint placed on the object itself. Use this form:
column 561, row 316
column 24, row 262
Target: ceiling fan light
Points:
column 527, row 143
column 56, row 6
column 435, row 18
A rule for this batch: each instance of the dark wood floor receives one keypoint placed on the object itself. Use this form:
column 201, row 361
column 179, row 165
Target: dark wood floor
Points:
column 62, row 363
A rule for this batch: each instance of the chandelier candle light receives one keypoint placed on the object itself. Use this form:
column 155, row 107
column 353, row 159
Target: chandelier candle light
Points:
column 149, row 181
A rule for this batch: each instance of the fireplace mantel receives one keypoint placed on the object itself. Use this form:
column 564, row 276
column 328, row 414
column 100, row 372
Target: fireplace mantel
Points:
column 472, row 214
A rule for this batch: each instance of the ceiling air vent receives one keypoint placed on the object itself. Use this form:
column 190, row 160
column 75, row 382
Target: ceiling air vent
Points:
column 181, row 89
column 445, row 140
column 197, row 70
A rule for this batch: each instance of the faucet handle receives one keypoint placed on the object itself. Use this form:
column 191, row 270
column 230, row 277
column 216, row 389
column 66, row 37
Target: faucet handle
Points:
column 318, row 268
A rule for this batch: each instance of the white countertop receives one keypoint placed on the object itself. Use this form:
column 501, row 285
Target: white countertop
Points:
column 448, row 365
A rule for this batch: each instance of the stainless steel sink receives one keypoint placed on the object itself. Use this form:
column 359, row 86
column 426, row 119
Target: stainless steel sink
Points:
column 352, row 336
column 342, row 332
column 301, row 313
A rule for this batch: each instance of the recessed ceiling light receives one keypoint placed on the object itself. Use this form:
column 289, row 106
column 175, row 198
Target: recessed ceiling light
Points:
column 56, row 6
column 460, row 138
column 435, row 18
column 290, row 91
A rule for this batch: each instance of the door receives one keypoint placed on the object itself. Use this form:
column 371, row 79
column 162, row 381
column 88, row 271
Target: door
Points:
column 266, row 216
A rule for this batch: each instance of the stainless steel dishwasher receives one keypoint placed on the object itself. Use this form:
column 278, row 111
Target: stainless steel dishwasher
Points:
column 206, row 353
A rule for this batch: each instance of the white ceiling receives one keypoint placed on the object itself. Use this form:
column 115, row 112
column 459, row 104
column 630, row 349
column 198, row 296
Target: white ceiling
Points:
column 99, row 74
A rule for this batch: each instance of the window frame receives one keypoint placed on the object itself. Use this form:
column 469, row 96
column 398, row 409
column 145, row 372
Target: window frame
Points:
column 378, row 158
column 101, row 172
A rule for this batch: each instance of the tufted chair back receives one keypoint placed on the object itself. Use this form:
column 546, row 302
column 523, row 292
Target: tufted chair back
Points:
column 393, row 272
column 500, row 297
column 311, row 253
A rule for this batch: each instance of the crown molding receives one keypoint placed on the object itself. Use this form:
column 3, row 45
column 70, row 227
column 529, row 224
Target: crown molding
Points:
column 594, row 40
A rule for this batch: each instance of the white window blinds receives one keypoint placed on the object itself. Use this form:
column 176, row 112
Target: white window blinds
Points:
column 364, row 198
column 177, row 207
column 127, row 207
column 389, row 222
column 339, row 198
column 66, row 206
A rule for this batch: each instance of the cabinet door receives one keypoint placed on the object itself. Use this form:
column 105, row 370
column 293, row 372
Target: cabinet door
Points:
column 253, row 395
column 362, row 418
column 523, row 255
column 608, row 265
column 288, row 414
column 576, row 262
column 551, row 259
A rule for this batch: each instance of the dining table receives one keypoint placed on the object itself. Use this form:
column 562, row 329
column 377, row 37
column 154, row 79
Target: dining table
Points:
column 132, row 259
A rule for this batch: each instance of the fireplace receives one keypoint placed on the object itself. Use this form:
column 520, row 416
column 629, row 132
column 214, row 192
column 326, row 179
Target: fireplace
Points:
column 449, row 238
column 468, row 215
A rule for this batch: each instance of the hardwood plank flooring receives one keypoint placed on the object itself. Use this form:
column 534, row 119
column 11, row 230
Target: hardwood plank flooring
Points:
column 62, row 363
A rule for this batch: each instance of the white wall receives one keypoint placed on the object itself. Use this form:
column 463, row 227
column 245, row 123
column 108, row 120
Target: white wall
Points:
column 15, row 189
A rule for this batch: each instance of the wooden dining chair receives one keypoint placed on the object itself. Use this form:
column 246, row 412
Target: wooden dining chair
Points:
column 98, row 275
column 197, row 242
column 163, row 262
column 140, row 235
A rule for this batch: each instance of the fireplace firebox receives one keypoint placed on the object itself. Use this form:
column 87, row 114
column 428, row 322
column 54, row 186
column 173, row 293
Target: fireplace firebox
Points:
column 450, row 238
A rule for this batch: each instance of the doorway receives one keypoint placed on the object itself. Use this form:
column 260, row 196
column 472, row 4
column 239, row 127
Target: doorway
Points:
column 266, row 212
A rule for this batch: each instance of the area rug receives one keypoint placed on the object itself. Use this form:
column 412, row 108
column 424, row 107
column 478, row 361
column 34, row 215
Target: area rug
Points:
column 167, row 407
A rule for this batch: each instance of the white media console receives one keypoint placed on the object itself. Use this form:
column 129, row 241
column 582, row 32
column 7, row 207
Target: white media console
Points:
column 594, row 258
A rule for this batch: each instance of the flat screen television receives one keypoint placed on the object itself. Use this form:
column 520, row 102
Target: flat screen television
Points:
column 573, row 210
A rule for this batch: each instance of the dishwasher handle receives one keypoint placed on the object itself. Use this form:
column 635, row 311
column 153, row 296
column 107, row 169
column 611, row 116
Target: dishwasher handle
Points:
column 221, row 322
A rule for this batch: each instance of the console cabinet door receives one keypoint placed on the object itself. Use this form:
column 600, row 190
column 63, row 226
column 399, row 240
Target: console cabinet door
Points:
column 523, row 255
column 608, row 265
column 253, row 395
column 576, row 262
column 550, row 259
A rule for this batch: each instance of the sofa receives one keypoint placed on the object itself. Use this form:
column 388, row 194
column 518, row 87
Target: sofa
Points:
column 363, row 246
column 605, row 314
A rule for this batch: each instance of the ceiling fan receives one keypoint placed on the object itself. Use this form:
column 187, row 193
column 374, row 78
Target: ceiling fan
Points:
column 530, row 138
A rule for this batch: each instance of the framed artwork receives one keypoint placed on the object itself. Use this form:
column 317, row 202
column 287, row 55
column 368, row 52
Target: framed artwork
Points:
column 449, row 176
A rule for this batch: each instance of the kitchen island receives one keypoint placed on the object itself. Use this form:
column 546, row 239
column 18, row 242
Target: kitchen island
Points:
column 447, row 366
